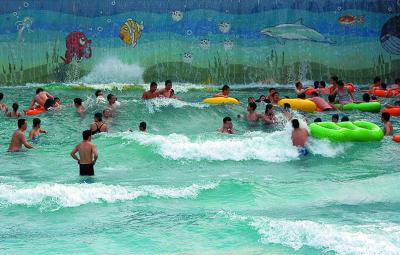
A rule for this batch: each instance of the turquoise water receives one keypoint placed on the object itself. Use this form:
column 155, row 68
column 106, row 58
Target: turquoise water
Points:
column 184, row 189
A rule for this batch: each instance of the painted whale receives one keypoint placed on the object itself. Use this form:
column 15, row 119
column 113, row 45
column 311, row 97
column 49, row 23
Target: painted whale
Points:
column 296, row 31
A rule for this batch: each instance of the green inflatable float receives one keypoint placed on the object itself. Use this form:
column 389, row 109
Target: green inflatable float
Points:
column 365, row 107
column 357, row 131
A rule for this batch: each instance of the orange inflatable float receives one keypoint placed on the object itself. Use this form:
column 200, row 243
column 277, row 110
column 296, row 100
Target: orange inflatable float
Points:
column 393, row 111
column 310, row 90
column 35, row 111
column 386, row 93
column 349, row 86
column 396, row 138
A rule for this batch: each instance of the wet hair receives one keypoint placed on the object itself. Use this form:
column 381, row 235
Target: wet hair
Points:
column 21, row 122
column 345, row 118
column 49, row 103
column 1, row 96
column 331, row 98
column 316, row 84
column 298, row 84
column 395, row 81
column 314, row 93
column 142, row 125
column 295, row 123
column 275, row 93
column 57, row 98
column 36, row 122
column 153, row 83
column 335, row 78
column 366, row 97
column 322, row 84
column 377, row 79
column 253, row 105
column 335, row 116
column 98, row 92
column 340, row 83
column 383, row 85
column 168, row 82
column 78, row 101
column 271, row 89
column 385, row 116
column 301, row 96
column 374, row 98
column 226, row 119
column 86, row 134
column 106, row 110
column 286, row 106
column 98, row 116
column 250, row 98
column 15, row 107
column 38, row 90
column 109, row 96
column 268, row 106
column 225, row 87
column 318, row 120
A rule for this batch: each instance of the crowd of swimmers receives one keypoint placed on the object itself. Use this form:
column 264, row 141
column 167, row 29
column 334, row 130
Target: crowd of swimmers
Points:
column 337, row 93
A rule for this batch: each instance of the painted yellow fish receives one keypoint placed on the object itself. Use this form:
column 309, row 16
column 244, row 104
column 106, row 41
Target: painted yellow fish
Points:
column 130, row 32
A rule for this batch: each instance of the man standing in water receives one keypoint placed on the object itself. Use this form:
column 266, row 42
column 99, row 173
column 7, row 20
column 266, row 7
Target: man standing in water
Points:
column 18, row 138
column 87, row 154
column 40, row 98
column 299, row 137
column 227, row 127
column 167, row 90
column 152, row 92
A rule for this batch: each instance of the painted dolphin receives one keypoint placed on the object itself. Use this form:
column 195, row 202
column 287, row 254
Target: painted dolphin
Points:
column 295, row 31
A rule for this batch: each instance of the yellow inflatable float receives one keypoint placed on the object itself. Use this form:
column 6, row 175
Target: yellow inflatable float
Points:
column 221, row 100
column 299, row 104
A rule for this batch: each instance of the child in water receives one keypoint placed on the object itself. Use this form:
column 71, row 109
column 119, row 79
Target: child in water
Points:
column 35, row 132
column 224, row 92
column 387, row 125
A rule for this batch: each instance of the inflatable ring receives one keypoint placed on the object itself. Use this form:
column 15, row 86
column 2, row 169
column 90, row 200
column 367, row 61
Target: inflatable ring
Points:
column 385, row 93
column 357, row 131
column 364, row 107
column 299, row 104
column 221, row 100
column 393, row 111
column 310, row 90
column 396, row 138
column 35, row 111
column 350, row 87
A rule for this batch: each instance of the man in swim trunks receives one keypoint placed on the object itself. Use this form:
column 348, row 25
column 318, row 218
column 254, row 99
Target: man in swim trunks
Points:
column 3, row 107
column 227, row 127
column 387, row 125
column 87, row 154
column 40, row 98
column 78, row 105
column 18, row 138
column 152, row 92
column 299, row 137
column 320, row 102
column 98, row 126
column 167, row 90
column 251, row 114
column 224, row 92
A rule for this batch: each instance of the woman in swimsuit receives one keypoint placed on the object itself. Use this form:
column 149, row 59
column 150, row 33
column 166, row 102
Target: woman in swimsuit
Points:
column 98, row 125
column 14, row 112
column 344, row 95
column 36, row 130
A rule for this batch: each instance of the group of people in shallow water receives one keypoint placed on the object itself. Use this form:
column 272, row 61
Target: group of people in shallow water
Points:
column 337, row 93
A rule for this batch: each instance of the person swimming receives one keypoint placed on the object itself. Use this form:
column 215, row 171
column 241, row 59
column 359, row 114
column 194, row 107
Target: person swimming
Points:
column 88, row 154
column 36, row 130
column 317, row 120
column 320, row 102
column 275, row 97
column 299, row 137
column 57, row 102
column 345, row 118
column 79, row 106
column 152, row 92
column 40, row 99
column 335, row 118
column 269, row 115
column 251, row 114
column 287, row 111
column 344, row 94
column 112, row 102
column 143, row 127
column 387, row 125
column 98, row 126
column 224, row 92
column 166, row 91
column 227, row 126
column 3, row 106
column 14, row 113
column 107, row 113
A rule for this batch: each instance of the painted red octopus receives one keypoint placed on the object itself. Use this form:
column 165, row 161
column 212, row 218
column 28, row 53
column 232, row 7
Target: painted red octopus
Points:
column 78, row 45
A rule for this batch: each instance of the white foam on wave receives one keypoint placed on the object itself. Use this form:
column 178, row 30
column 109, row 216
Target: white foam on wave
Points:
column 114, row 70
column 379, row 239
column 72, row 195
column 156, row 104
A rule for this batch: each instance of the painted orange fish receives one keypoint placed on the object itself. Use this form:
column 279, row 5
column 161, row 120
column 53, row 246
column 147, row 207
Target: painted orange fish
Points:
column 349, row 19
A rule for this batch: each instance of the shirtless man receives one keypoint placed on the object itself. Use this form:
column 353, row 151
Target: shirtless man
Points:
column 152, row 92
column 251, row 114
column 167, row 90
column 224, row 92
column 269, row 116
column 40, row 98
column 227, row 127
column 112, row 102
column 87, row 154
column 3, row 107
column 387, row 125
column 299, row 137
column 18, row 138
column 78, row 105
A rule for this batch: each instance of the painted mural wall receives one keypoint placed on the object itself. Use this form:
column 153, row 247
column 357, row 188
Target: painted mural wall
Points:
column 203, row 41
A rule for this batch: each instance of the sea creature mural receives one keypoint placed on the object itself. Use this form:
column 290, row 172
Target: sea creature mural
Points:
column 205, row 44
column 349, row 19
column 130, row 32
column 228, row 44
column 295, row 31
column 187, row 57
column 224, row 27
column 390, row 35
column 23, row 26
column 78, row 46
column 177, row 16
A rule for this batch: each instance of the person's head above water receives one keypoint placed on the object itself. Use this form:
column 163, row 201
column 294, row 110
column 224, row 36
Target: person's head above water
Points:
column 269, row 108
column 271, row 90
column 345, row 118
column 331, row 98
column 252, row 106
column 366, row 97
column 385, row 116
column 377, row 80
column 98, row 117
column 316, row 84
column 36, row 122
column 106, row 113
column 1, row 96
column 99, row 93
column 295, row 123
column 87, row 135
column 225, row 90
column 299, row 85
column 262, row 98
column 142, row 126
column 383, row 85
column 301, row 96
column 286, row 106
column 275, row 96
column 250, row 100
column 38, row 90
column 77, row 101
column 111, row 98
column 322, row 84
column 153, row 86
column 22, row 124
column 335, row 118
column 15, row 107
column 168, row 84
column 318, row 120
column 334, row 80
